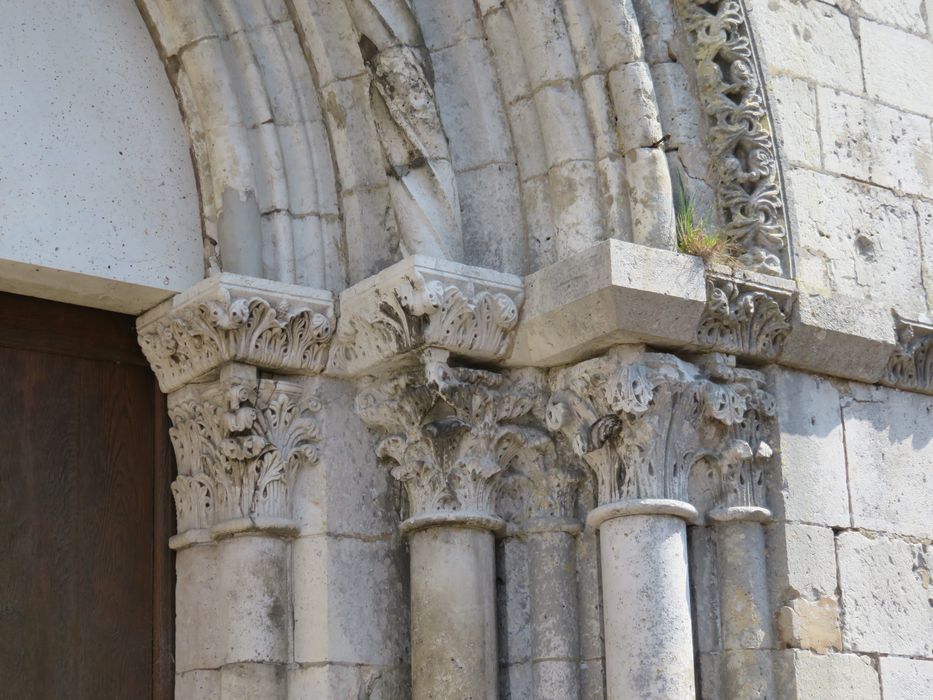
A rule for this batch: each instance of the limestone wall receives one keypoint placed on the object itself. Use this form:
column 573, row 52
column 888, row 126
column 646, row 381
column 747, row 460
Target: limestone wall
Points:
column 849, row 86
column 98, row 203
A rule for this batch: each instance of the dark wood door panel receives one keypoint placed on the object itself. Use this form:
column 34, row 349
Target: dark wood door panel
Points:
column 85, row 575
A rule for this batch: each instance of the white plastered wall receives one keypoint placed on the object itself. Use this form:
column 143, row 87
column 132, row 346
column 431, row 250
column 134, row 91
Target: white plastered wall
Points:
column 98, row 204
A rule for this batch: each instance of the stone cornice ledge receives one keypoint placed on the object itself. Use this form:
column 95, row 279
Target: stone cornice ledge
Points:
column 618, row 292
column 233, row 318
column 470, row 312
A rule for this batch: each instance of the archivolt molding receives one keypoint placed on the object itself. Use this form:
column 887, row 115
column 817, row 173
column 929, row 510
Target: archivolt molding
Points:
column 450, row 433
column 423, row 302
column 643, row 422
column 744, row 157
column 239, row 443
column 745, row 317
column 911, row 364
column 228, row 318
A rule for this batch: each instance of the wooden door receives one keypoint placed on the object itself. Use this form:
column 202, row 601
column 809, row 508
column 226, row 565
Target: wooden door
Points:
column 85, row 466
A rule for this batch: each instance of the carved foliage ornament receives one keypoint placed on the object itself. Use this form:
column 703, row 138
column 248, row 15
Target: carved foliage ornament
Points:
column 744, row 318
column 239, row 445
column 451, row 432
column 643, row 421
column 911, row 365
column 201, row 336
column 415, row 313
column 744, row 157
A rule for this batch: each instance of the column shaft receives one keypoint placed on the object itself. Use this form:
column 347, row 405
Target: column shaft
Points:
column 744, row 614
column 255, row 612
column 453, row 614
column 555, row 641
column 646, row 608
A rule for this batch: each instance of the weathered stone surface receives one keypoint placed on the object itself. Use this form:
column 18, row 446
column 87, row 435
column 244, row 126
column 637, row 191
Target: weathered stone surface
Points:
column 340, row 681
column 897, row 67
column 198, row 644
column 649, row 645
column 197, row 685
column 811, row 625
column 614, row 293
column 233, row 318
column 856, row 240
column 363, row 623
column 874, row 143
column 453, row 625
column 906, row 14
column 794, row 104
column 253, row 601
column 889, row 445
column 801, row 562
column 420, row 302
column 839, row 336
column 905, row 679
column 815, row 40
column 251, row 680
column 803, row 674
column 886, row 594
column 810, row 480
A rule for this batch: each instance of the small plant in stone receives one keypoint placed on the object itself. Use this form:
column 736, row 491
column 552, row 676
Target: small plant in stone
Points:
column 696, row 234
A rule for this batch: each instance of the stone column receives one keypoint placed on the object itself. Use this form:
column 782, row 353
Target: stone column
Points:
column 642, row 421
column 738, row 525
column 240, row 439
column 538, row 500
column 451, row 433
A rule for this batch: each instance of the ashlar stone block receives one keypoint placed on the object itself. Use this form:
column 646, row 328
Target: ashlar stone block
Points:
column 809, row 484
column 886, row 594
column 889, row 447
column 906, row 679
column 806, row 40
column 875, row 143
column 898, row 67
column 803, row 674
column 857, row 240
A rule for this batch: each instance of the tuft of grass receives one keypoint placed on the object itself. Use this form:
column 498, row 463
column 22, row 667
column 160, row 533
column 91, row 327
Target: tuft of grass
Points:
column 696, row 235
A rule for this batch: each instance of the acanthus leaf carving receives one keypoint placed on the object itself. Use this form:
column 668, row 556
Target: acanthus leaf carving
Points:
column 744, row 159
column 239, row 444
column 745, row 318
column 740, row 453
column 911, row 363
column 411, row 306
column 224, row 319
column 643, row 421
column 451, row 432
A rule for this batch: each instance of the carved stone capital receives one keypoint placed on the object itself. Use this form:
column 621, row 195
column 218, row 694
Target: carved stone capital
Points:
column 737, row 468
column 424, row 302
column 450, row 433
column 744, row 156
column 643, row 421
column 911, row 364
column 232, row 318
column 744, row 316
column 239, row 443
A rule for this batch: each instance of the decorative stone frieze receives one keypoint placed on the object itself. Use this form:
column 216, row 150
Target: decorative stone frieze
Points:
column 451, row 433
column 424, row 302
column 744, row 156
column 239, row 443
column 642, row 421
column 745, row 317
column 232, row 318
column 911, row 364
